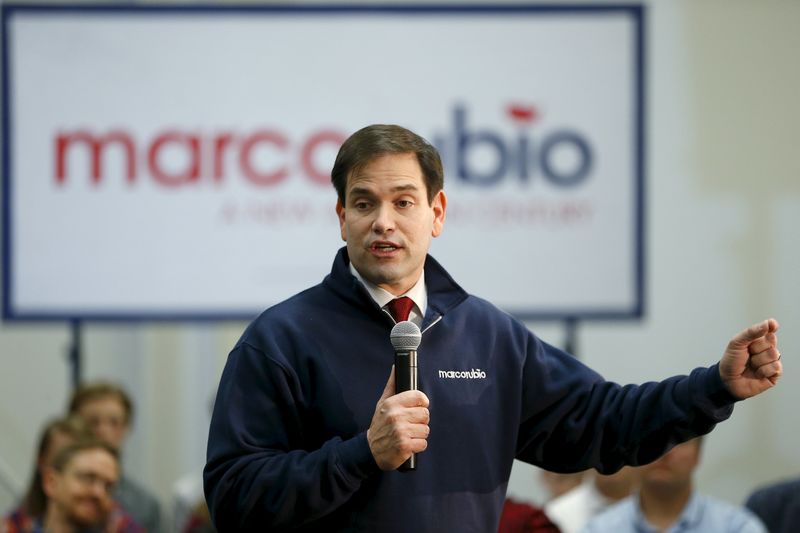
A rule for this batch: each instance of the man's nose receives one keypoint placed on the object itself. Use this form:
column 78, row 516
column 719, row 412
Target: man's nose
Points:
column 384, row 219
column 104, row 431
column 100, row 490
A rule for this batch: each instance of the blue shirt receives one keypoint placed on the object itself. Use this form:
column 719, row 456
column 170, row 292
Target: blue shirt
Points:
column 702, row 514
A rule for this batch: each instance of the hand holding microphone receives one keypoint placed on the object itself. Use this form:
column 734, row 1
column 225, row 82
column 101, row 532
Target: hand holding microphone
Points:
column 405, row 338
column 399, row 427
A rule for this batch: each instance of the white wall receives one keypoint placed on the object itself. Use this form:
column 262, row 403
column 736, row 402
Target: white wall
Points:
column 723, row 215
column 723, row 210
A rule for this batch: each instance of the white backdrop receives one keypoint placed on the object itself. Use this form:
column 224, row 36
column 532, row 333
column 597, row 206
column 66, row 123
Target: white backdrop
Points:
column 177, row 163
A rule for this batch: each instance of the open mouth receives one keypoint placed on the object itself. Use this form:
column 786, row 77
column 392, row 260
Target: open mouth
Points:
column 383, row 247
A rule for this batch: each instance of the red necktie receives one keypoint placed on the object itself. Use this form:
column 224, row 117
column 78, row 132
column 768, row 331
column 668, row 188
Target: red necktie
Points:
column 400, row 308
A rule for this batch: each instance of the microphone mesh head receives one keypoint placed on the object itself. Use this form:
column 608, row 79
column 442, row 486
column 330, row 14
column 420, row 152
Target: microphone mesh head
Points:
column 405, row 336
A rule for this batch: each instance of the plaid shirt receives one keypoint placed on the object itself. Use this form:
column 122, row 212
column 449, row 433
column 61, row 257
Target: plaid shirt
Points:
column 21, row 522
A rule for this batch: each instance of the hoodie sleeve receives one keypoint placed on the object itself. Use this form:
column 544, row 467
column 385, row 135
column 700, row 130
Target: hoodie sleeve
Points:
column 258, row 475
column 572, row 419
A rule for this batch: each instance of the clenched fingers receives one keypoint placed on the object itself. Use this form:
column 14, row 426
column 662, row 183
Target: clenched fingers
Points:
column 405, row 409
column 770, row 340
column 767, row 364
column 754, row 332
column 399, row 428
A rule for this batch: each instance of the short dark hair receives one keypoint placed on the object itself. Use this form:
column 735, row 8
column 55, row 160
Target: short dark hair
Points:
column 101, row 389
column 376, row 140
column 65, row 455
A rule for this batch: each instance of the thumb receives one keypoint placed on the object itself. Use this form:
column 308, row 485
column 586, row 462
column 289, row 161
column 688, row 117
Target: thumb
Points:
column 389, row 389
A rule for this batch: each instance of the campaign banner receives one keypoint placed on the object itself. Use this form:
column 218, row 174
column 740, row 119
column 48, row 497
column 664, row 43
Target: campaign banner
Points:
column 173, row 162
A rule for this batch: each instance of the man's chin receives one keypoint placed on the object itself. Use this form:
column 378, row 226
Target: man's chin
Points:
column 89, row 519
column 82, row 523
column 380, row 274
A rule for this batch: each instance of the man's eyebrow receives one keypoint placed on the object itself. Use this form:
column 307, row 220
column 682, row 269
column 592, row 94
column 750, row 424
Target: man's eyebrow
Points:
column 360, row 191
column 363, row 191
column 408, row 187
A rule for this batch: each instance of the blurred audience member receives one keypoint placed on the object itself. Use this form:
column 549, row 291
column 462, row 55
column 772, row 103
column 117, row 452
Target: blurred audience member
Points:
column 187, row 494
column 519, row 517
column 557, row 484
column 108, row 410
column 573, row 509
column 78, row 486
column 65, row 503
column 199, row 520
column 778, row 506
column 668, row 502
column 191, row 511
column 56, row 435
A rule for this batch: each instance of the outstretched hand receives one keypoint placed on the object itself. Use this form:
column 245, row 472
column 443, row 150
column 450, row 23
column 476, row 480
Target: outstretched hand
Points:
column 752, row 363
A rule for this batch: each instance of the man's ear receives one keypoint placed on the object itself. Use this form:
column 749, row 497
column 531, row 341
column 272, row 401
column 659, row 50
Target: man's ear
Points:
column 340, row 214
column 49, row 480
column 439, row 206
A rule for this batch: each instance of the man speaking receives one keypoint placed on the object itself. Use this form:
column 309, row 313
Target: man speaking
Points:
column 308, row 433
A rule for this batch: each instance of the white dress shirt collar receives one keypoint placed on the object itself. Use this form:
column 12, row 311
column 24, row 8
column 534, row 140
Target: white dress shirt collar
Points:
column 418, row 294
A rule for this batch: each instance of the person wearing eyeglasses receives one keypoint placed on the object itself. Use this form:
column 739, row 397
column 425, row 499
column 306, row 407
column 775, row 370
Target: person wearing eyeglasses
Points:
column 78, row 486
column 108, row 410
column 58, row 435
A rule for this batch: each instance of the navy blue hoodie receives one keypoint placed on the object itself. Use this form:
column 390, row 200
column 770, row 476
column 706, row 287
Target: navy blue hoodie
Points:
column 287, row 448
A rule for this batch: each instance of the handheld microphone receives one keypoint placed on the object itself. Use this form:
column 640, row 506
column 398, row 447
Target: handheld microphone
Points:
column 405, row 338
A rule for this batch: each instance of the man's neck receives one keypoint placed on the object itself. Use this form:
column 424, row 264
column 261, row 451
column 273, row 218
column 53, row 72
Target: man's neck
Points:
column 418, row 292
column 614, row 491
column 662, row 508
column 54, row 522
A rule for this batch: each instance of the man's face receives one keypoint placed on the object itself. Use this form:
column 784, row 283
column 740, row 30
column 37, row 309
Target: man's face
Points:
column 675, row 469
column 81, row 493
column 107, row 419
column 388, row 223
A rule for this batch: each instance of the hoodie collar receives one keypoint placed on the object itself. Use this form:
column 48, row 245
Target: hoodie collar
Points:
column 443, row 292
